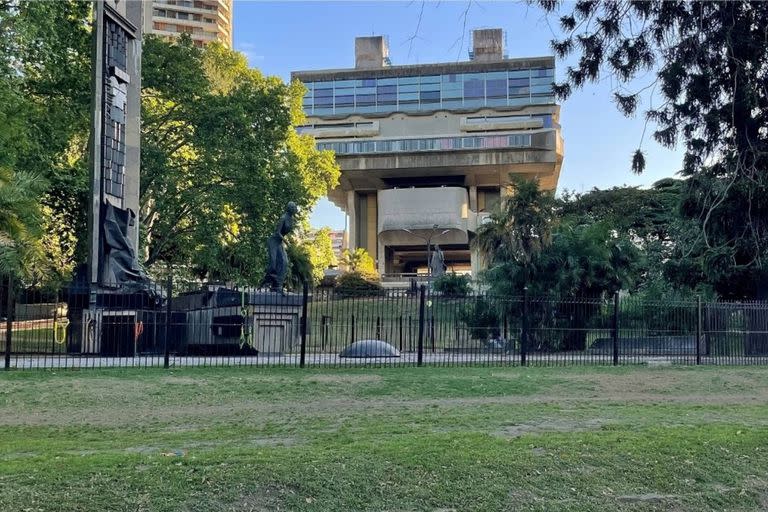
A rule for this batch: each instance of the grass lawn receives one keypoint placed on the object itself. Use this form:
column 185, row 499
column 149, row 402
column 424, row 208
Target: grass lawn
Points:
column 401, row 439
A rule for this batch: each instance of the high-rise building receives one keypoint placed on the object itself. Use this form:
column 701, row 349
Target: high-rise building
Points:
column 337, row 242
column 203, row 20
column 427, row 150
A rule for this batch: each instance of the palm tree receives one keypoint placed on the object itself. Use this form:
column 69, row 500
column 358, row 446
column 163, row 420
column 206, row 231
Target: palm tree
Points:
column 520, row 227
column 20, row 243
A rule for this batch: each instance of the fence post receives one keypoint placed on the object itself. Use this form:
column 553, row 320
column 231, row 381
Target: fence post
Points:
column 615, row 329
column 524, row 334
column 400, row 325
column 352, row 340
column 168, row 309
column 304, row 301
column 10, row 306
column 698, row 329
column 422, row 298
column 324, row 324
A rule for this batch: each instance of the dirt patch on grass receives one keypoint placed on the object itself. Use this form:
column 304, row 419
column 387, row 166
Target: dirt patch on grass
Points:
column 723, row 388
column 550, row 426
column 110, row 413
column 331, row 378
column 647, row 498
column 183, row 380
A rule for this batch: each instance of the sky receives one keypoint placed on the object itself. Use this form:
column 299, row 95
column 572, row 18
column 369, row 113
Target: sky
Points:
column 280, row 37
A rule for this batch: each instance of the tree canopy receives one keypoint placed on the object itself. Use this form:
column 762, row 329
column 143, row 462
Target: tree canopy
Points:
column 220, row 159
column 708, row 62
column 44, row 105
column 220, row 156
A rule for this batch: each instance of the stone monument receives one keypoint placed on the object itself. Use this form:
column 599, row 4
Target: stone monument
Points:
column 114, row 146
column 110, row 298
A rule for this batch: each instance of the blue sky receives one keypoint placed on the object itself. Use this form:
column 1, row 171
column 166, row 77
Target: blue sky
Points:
column 280, row 37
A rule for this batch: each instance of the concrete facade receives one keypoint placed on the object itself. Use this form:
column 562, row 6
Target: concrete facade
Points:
column 426, row 151
column 204, row 20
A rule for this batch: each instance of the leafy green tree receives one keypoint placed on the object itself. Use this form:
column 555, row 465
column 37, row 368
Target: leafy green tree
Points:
column 220, row 159
column 647, row 214
column 708, row 62
column 359, row 261
column 321, row 253
column 44, row 105
column 587, row 260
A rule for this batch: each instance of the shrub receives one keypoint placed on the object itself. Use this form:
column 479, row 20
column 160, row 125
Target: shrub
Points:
column 453, row 285
column 481, row 318
column 355, row 284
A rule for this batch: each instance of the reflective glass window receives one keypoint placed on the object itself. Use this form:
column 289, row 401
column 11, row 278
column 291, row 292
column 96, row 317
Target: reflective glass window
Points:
column 383, row 99
column 430, row 96
column 365, row 99
column 474, row 89
column 519, row 73
column 345, row 100
column 496, row 88
column 519, row 82
column 541, row 80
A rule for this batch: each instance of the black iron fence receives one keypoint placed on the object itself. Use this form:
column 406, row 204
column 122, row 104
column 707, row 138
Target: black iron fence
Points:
column 189, row 324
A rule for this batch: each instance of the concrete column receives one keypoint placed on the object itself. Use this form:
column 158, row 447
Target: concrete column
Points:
column 473, row 198
column 475, row 263
column 372, row 226
column 381, row 255
column 352, row 226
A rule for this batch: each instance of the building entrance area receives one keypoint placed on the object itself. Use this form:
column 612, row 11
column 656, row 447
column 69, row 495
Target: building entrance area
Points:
column 402, row 261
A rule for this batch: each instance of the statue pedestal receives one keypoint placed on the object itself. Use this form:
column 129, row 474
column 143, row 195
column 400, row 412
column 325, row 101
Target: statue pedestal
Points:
column 275, row 323
column 223, row 320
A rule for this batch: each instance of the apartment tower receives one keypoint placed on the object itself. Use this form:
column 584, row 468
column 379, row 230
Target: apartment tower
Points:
column 203, row 20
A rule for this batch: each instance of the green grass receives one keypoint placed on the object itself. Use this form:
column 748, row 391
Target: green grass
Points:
column 36, row 340
column 402, row 439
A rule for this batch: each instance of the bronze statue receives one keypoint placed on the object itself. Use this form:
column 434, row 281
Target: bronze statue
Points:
column 277, row 266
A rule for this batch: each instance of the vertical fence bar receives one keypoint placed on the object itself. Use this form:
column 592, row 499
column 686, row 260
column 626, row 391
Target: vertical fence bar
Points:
column 400, row 322
column 524, row 334
column 9, row 323
column 698, row 329
column 422, row 298
column 168, row 298
column 615, row 329
column 304, row 301
column 352, row 338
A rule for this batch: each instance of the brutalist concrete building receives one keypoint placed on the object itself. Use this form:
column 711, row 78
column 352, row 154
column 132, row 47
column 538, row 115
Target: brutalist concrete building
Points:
column 426, row 150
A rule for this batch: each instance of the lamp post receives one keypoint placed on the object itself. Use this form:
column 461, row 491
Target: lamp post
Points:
column 433, row 233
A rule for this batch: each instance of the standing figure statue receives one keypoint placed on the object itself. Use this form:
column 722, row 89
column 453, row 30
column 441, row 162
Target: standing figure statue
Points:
column 437, row 262
column 277, row 266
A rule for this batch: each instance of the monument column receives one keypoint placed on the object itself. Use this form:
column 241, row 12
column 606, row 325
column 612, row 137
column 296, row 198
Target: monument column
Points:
column 115, row 136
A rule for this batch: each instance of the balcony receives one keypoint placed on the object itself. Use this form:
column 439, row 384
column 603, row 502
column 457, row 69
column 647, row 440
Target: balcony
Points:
column 419, row 210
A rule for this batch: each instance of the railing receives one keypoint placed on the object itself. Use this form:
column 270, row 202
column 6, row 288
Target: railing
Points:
column 189, row 324
column 428, row 144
